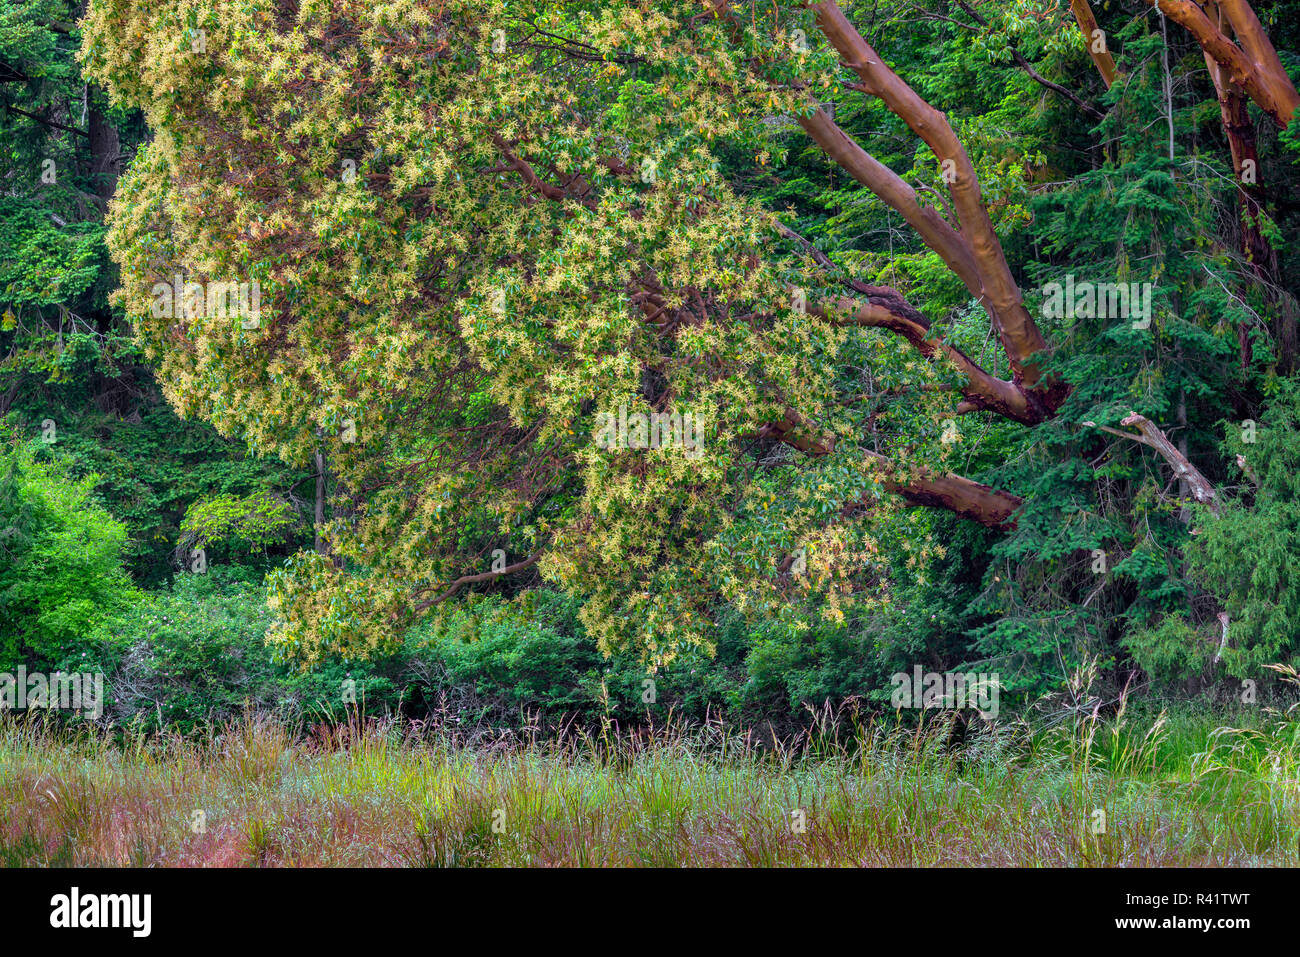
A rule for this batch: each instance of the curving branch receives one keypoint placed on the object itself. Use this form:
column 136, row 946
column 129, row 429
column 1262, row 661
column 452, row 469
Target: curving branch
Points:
column 1252, row 38
column 990, row 507
column 1034, row 75
column 1151, row 435
column 1020, row 336
column 886, row 309
column 464, row 580
column 935, row 231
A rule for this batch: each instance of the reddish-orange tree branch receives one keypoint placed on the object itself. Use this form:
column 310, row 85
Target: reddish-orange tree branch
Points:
column 1260, row 74
column 1020, row 336
column 982, row 390
column 972, row 500
column 1095, row 39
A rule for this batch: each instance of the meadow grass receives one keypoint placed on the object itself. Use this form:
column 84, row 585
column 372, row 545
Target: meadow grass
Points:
column 1086, row 790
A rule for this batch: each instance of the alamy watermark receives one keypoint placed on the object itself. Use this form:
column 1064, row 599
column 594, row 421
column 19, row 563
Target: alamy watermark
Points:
column 75, row 910
column 947, row 690
column 179, row 299
column 60, row 691
column 658, row 430
column 1099, row 300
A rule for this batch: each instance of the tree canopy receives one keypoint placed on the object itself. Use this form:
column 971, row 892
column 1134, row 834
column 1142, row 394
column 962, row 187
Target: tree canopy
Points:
column 481, row 233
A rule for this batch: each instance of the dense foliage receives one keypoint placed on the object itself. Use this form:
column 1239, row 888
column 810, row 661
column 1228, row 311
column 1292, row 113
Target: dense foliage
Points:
column 60, row 562
column 384, row 288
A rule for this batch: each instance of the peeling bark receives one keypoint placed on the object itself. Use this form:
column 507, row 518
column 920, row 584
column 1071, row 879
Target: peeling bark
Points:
column 1253, row 40
column 1239, row 129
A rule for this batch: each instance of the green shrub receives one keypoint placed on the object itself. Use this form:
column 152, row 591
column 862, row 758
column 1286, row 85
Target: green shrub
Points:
column 1172, row 650
column 196, row 653
column 499, row 662
column 1247, row 555
column 61, row 569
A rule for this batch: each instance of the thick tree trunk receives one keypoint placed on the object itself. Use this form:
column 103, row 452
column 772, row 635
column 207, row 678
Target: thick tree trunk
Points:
column 935, row 231
column 1254, row 41
column 1239, row 129
column 105, row 153
column 1259, row 73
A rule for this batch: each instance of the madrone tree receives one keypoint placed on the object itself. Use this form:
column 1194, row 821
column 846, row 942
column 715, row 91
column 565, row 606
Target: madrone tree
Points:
column 500, row 263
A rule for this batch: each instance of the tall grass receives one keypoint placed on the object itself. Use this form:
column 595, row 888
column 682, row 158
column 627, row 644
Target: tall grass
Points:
column 848, row 792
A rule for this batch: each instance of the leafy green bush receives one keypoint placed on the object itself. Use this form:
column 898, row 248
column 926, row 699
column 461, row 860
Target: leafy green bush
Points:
column 195, row 653
column 1172, row 650
column 496, row 662
column 60, row 562
column 256, row 521
column 499, row 662
column 154, row 468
